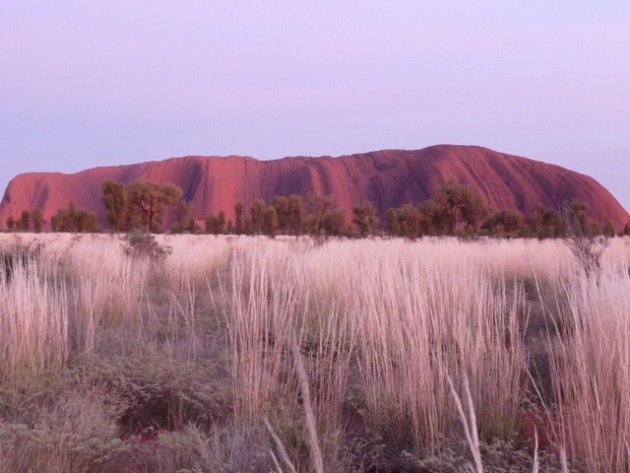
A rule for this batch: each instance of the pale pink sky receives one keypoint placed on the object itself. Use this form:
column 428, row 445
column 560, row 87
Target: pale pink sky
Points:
column 97, row 83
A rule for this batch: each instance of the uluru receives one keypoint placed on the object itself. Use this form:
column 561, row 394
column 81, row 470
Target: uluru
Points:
column 388, row 178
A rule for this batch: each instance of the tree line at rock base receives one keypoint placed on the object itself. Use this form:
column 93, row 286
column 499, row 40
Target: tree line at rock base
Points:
column 454, row 210
column 69, row 219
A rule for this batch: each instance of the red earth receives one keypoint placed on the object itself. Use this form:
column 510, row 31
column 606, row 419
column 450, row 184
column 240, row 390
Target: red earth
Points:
column 387, row 178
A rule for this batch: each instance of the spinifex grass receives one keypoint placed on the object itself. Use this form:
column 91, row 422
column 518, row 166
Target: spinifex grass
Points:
column 376, row 325
column 590, row 365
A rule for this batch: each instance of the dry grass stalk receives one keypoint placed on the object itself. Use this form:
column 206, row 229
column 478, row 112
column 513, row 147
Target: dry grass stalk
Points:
column 279, row 445
column 311, row 424
column 469, row 422
column 275, row 461
column 536, row 466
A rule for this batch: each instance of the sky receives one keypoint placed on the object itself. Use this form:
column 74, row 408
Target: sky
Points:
column 87, row 83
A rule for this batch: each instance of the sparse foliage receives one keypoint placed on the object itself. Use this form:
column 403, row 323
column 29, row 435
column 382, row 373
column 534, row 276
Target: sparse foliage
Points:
column 24, row 223
column 238, row 210
column 143, row 204
column 585, row 244
column 116, row 203
column 141, row 244
column 74, row 220
column 270, row 224
column 216, row 224
column 366, row 218
column 182, row 218
column 504, row 223
column 148, row 201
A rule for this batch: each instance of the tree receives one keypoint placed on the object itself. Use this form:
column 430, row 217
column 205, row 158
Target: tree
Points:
column 38, row 220
column 281, row 204
column 248, row 226
column 257, row 214
column 238, row 210
column 148, row 201
column 295, row 214
column 504, row 223
column 74, row 220
column 334, row 222
column 577, row 212
column 270, row 225
column 182, row 217
column 436, row 217
column 211, row 224
column 215, row 224
column 316, row 207
column 221, row 222
column 116, row 202
column 10, row 223
column 143, row 203
column 546, row 223
column 393, row 223
column 461, row 205
column 410, row 218
column 85, row 222
column 609, row 229
column 366, row 218
column 24, row 224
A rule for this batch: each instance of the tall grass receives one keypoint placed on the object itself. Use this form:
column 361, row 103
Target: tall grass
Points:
column 418, row 322
column 329, row 343
column 404, row 320
column 34, row 334
column 590, row 360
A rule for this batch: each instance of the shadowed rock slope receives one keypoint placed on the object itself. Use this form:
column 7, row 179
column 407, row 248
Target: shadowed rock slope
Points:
column 387, row 178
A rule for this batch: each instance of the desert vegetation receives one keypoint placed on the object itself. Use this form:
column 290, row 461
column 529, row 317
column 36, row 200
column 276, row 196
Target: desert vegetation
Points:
column 201, row 353
column 454, row 210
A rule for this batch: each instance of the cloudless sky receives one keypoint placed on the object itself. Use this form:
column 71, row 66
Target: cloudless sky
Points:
column 90, row 83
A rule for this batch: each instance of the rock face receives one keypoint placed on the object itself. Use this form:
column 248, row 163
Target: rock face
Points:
column 387, row 178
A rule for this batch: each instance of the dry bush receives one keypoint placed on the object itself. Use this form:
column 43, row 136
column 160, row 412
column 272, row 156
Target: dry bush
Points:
column 72, row 433
column 161, row 394
column 141, row 244
column 77, row 433
column 586, row 246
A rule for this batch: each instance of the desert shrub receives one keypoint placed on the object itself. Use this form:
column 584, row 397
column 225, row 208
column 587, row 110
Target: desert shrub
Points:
column 76, row 437
column 141, row 244
column 159, row 396
column 221, row 450
column 582, row 239
column 74, row 434
column 377, row 454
